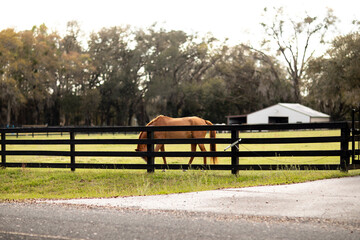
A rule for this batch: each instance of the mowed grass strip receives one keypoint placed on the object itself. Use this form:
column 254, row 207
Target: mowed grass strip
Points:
column 26, row 184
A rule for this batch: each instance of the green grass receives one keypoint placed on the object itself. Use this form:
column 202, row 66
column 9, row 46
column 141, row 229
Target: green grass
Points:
column 21, row 184
column 24, row 183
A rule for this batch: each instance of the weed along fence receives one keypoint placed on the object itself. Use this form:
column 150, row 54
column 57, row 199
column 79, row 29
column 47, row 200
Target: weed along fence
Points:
column 12, row 145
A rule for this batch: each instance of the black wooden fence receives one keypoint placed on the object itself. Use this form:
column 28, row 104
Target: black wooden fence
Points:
column 355, row 136
column 234, row 154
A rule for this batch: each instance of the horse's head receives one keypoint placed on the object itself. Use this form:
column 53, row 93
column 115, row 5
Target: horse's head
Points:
column 142, row 148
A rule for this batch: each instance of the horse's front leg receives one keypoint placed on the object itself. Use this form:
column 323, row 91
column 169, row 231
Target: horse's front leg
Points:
column 158, row 147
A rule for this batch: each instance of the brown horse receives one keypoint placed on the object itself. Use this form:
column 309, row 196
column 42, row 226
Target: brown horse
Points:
column 186, row 121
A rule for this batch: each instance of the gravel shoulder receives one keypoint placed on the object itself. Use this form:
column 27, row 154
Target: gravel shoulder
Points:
column 334, row 199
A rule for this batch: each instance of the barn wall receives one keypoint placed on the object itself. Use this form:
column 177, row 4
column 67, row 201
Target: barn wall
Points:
column 262, row 116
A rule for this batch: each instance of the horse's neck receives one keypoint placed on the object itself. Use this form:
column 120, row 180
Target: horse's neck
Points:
column 151, row 123
column 158, row 120
column 143, row 135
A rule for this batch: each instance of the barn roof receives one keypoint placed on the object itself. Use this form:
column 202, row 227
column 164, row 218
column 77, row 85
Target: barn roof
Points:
column 304, row 110
column 292, row 106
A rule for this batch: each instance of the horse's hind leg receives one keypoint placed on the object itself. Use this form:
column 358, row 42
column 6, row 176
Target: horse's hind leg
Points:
column 163, row 150
column 203, row 149
column 193, row 149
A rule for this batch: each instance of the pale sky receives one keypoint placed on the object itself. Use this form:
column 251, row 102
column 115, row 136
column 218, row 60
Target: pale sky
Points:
column 234, row 19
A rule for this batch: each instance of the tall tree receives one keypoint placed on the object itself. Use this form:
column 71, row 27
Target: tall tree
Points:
column 10, row 96
column 294, row 40
column 39, row 76
column 117, row 73
column 173, row 60
column 335, row 78
column 75, row 67
column 251, row 82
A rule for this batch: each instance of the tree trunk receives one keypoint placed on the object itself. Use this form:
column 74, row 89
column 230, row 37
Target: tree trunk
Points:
column 8, row 116
column 296, row 82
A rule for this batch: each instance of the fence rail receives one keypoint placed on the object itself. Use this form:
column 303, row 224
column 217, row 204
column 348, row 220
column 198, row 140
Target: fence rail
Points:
column 344, row 152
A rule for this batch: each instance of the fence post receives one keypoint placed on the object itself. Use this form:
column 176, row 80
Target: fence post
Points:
column 72, row 150
column 234, row 152
column 353, row 131
column 3, row 149
column 344, row 148
column 357, row 133
column 150, row 149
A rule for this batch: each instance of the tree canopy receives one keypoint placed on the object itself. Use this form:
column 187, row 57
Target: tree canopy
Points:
column 293, row 39
column 127, row 76
column 334, row 79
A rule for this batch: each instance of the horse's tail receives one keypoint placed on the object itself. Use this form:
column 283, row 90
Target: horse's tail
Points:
column 212, row 145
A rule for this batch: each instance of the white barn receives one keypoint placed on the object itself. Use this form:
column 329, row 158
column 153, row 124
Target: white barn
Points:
column 281, row 113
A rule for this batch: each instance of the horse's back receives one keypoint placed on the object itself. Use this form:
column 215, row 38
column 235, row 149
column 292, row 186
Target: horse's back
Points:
column 185, row 121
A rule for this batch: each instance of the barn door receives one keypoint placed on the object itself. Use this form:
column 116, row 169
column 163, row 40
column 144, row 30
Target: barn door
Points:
column 278, row 120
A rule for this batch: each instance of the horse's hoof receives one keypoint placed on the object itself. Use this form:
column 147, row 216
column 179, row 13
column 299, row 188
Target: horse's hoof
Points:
column 184, row 170
column 164, row 170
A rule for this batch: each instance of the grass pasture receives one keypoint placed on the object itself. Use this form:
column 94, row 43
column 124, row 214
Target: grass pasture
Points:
column 26, row 183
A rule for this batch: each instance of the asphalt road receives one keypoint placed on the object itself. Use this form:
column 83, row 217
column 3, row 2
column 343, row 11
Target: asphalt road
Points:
column 327, row 209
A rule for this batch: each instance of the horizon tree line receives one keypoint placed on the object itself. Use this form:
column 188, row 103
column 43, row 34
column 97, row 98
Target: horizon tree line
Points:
column 126, row 76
